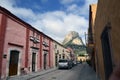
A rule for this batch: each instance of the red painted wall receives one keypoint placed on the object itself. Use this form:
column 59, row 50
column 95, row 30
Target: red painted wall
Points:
column 15, row 34
column 2, row 37
column 0, row 18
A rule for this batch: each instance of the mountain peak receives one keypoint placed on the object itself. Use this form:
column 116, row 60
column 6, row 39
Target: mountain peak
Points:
column 77, row 41
column 71, row 35
column 74, row 41
column 73, row 38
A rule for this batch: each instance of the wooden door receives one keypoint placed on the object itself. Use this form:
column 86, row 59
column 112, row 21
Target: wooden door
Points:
column 33, row 61
column 13, row 63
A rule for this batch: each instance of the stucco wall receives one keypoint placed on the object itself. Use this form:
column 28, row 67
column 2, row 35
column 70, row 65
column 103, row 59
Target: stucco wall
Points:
column 15, row 34
column 93, row 10
column 0, row 18
column 17, row 37
column 107, row 12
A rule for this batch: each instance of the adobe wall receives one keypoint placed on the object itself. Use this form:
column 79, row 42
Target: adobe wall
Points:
column 108, row 13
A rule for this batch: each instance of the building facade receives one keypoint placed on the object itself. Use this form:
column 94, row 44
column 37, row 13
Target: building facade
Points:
column 91, row 35
column 107, row 28
column 60, row 52
column 23, row 49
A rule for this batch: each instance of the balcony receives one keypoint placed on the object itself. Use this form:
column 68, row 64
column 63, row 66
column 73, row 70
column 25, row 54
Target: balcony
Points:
column 45, row 44
column 34, row 39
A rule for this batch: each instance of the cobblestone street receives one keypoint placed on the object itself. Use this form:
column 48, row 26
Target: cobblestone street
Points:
column 79, row 72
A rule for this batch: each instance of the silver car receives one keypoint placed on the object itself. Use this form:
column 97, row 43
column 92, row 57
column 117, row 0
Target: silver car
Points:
column 64, row 63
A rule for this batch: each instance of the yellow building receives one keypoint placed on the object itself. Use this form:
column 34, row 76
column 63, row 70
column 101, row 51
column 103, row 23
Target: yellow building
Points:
column 91, row 35
column 107, row 37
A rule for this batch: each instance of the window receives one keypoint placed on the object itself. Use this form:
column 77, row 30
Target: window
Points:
column 63, row 56
column 59, row 56
column 63, row 50
column 55, row 46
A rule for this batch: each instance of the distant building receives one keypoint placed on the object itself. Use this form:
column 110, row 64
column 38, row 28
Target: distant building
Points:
column 106, row 32
column 60, row 52
column 71, row 53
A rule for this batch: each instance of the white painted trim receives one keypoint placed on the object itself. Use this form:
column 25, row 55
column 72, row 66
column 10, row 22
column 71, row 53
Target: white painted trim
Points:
column 8, row 60
column 36, row 66
column 31, row 53
column 30, row 60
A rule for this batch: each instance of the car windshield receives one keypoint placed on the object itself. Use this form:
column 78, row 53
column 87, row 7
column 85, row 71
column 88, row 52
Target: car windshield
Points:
column 62, row 60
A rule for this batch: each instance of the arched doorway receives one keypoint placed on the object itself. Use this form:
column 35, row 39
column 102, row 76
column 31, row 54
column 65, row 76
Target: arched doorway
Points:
column 13, row 62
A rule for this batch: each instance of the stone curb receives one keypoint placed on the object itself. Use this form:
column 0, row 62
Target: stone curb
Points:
column 31, row 75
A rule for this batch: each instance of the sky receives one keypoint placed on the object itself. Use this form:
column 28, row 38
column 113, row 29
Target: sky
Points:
column 55, row 18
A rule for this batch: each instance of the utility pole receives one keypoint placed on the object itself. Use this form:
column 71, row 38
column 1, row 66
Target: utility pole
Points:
column 85, row 39
column 86, row 42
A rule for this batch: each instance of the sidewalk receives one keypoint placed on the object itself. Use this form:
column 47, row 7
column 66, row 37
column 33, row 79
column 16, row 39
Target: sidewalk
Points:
column 87, row 73
column 31, row 75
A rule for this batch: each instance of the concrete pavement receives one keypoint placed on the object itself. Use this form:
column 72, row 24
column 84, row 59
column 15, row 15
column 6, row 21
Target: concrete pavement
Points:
column 80, row 72
column 87, row 73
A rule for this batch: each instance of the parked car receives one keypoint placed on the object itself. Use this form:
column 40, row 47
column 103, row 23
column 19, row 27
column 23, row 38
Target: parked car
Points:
column 64, row 63
column 74, row 63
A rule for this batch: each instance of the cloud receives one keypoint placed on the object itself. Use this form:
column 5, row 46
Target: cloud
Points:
column 66, row 1
column 21, row 12
column 82, row 10
column 85, row 7
column 58, row 23
column 55, row 24
column 7, row 3
column 44, row 1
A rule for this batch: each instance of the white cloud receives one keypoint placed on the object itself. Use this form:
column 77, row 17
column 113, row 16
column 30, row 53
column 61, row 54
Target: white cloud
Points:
column 85, row 7
column 7, row 3
column 81, row 10
column 72, row 7
column 44, row 1
column 24, row 12
column 56, row 24
column 21, row 12
column 66, row 1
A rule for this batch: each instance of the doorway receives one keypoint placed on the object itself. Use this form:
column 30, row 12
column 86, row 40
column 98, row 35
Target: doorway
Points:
column 33, row 62
column 106, row 48
column 13, row 63
column 56, row 60
column 45, row 59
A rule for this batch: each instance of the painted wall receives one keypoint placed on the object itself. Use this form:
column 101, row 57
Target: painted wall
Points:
column 52, row 54
column 18, row 37
column 0, row 18
column 34, row 48
column 108, row 14
column 91, row 35
column 15, row 34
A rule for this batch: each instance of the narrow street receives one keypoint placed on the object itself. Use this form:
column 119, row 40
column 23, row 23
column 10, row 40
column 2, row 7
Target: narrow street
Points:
column 79, row 72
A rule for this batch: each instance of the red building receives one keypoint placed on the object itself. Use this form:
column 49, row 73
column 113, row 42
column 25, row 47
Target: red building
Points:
column 23, row 49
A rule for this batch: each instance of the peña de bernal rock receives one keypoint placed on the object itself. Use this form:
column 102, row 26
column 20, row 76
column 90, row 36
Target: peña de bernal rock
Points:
column 74, row 41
